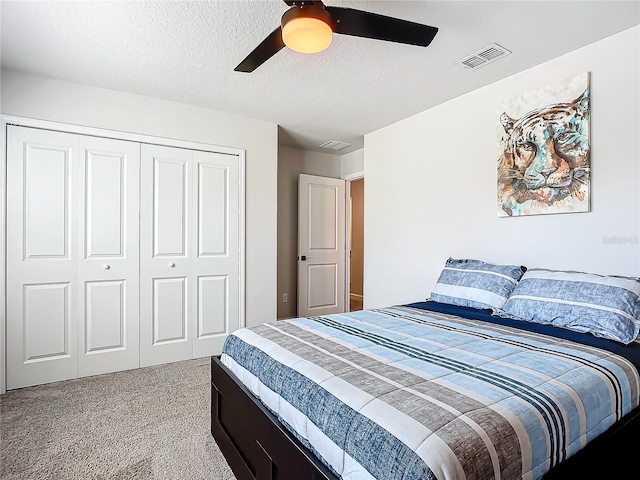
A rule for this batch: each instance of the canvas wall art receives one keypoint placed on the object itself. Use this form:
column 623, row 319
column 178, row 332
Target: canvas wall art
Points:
column 543, row 150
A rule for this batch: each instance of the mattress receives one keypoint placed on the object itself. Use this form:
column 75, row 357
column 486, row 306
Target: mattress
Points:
column 407, row 393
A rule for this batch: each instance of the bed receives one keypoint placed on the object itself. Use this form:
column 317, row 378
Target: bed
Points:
column 423, row 391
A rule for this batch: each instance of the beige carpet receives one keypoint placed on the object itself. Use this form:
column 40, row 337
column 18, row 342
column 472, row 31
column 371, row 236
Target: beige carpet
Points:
column 150, row 423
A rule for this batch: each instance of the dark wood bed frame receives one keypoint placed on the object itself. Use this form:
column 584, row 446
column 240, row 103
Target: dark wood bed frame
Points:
column 258, row 447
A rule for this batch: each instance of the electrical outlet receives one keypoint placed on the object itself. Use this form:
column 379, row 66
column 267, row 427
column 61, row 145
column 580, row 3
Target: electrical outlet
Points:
column 285, row 298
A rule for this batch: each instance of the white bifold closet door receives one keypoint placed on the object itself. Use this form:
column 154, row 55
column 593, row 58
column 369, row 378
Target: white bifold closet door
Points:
column 109, row 237
column 72, row 256
column 189, row 253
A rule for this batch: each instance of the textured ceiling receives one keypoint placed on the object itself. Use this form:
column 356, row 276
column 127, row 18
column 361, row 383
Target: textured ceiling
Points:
column 186, row 51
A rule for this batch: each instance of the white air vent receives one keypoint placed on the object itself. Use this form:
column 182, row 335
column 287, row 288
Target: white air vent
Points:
column 335, row 145
column 482, row 57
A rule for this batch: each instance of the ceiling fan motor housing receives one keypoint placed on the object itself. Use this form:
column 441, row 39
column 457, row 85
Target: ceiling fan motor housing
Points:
column 309, row 11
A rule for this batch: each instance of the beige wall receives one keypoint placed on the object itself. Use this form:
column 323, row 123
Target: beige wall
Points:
column 351, row 163
column 357, row 236
column 54, row 100
column 291, row 163
column 431, row 183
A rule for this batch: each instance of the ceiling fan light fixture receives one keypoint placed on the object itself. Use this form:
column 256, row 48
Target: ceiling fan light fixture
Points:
column 307, row 29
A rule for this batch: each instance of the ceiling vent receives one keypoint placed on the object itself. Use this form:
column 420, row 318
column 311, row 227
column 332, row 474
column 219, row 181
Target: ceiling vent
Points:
column 482, row 57
column 335, row 145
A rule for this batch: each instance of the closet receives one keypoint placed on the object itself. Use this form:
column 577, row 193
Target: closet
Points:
column 120, row 254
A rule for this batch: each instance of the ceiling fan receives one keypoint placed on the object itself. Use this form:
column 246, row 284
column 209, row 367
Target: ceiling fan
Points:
column 307, row 27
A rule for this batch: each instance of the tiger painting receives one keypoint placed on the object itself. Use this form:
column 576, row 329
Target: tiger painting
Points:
column 544, row 162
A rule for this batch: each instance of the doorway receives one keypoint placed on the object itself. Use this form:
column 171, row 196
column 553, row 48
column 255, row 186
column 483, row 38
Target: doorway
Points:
column 356, row 244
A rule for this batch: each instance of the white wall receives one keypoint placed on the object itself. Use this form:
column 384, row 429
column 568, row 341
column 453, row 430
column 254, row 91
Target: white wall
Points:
column 351, row 163
column 430, row 190
column 291, row 163
column 48, row 99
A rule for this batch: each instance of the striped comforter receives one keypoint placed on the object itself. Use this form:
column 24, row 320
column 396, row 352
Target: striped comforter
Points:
column 403, row 393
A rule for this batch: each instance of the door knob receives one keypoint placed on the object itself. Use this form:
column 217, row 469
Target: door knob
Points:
column 172, row 264
column 106, row 266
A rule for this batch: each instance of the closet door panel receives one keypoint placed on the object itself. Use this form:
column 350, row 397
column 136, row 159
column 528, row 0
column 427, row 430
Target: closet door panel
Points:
column 42, row 311
column 46, row 222
column 213, row 306
column 47, row 321
column 105, row 201
column 216, row 240
column 170, row 206
column 109, row 255
column 170, row 310
column 166, row 280
column 105, row 317
column 213, row 209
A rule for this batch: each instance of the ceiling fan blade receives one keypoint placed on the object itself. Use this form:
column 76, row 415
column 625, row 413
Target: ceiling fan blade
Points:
column 263, row 52
column 358, row 23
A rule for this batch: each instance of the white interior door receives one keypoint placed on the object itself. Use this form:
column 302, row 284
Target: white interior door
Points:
column 189, row 253
column 42, row 313
column 109, row 252
column 321, row 245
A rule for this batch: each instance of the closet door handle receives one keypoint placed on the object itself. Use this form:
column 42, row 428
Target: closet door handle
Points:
column 106, row 266
column 172, row 264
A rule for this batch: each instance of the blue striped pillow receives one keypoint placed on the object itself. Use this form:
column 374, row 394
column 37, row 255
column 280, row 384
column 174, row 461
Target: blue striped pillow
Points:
column 605, row 306
column 474, row 283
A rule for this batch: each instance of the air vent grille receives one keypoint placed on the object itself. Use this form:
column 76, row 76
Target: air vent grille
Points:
column 482, row 57
column 473, row 62
column 335, row 145
column 491, row 53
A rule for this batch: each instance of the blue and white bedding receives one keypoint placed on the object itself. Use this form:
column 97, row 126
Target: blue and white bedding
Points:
column 405, row 393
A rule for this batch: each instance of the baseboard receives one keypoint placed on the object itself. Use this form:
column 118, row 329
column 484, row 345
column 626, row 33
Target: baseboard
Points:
column 356, row 297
